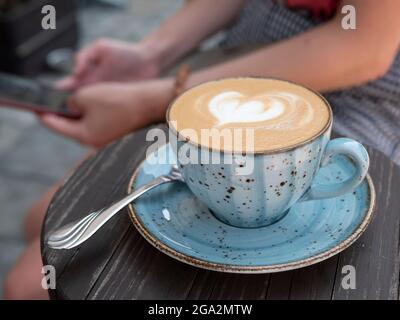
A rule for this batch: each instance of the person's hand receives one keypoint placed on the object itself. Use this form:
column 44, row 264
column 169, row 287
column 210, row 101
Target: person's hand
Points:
column 110, row 60
column 111, row 110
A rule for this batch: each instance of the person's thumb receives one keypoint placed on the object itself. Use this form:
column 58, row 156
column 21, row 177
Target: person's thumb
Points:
column 68, row 83
column 68, row 127
column 85, row 60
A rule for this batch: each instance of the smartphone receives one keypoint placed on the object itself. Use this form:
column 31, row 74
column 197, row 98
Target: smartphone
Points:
column 33, row 96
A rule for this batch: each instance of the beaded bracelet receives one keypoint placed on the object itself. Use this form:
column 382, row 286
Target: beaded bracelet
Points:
column 181, row 79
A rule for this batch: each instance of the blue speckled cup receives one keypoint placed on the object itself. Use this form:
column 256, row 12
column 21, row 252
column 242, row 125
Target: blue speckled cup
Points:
column 279, row 179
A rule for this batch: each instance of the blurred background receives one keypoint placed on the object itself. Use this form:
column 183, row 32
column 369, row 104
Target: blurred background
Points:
column 31, row 157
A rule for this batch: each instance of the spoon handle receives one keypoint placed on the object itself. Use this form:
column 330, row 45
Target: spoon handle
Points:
column 99, row 219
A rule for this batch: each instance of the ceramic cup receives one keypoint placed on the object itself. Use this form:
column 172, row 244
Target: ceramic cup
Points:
column 278, row 180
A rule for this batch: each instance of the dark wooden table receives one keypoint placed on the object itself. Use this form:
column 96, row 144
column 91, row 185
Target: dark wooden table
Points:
column 117, row 263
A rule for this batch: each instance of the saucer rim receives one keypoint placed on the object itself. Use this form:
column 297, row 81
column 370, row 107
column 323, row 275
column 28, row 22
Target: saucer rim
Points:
column 251, row 269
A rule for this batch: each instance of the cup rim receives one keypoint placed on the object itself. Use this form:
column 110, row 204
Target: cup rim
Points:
column 259, row 152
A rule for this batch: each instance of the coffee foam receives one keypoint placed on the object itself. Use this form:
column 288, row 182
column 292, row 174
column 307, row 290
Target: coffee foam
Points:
column 232, row 106
column 282, row 114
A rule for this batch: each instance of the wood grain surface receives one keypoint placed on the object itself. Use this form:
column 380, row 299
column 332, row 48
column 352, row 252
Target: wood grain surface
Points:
column 117, row 263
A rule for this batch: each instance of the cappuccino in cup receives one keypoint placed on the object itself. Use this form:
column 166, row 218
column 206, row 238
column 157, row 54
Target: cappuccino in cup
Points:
column 281, row 113
column 290, row 127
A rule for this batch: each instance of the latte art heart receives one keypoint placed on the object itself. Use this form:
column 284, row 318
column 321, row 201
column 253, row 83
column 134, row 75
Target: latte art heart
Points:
column 234, row 107
column 231, row 106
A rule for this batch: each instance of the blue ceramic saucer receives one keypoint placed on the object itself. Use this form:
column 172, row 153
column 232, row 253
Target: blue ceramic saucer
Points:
column 173, row 220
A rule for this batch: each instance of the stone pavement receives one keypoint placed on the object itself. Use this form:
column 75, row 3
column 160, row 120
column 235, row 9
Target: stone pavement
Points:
column 33, row 158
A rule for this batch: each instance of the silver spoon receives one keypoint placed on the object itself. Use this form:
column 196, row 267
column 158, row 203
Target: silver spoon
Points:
column 76, row 232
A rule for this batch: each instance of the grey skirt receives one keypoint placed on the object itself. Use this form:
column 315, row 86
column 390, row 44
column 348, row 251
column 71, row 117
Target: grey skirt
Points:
column 369, row 113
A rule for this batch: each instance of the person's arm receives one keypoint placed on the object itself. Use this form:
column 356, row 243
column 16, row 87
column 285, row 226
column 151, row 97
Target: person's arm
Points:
column 183, row 31
column 326, row 57
column 111, row 60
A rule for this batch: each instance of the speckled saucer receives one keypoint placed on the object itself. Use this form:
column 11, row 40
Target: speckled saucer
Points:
column 173, row 220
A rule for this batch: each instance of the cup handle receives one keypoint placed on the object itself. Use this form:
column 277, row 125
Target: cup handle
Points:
column 351, row 149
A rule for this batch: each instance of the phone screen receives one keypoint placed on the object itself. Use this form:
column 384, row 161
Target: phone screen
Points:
column 28, row 94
